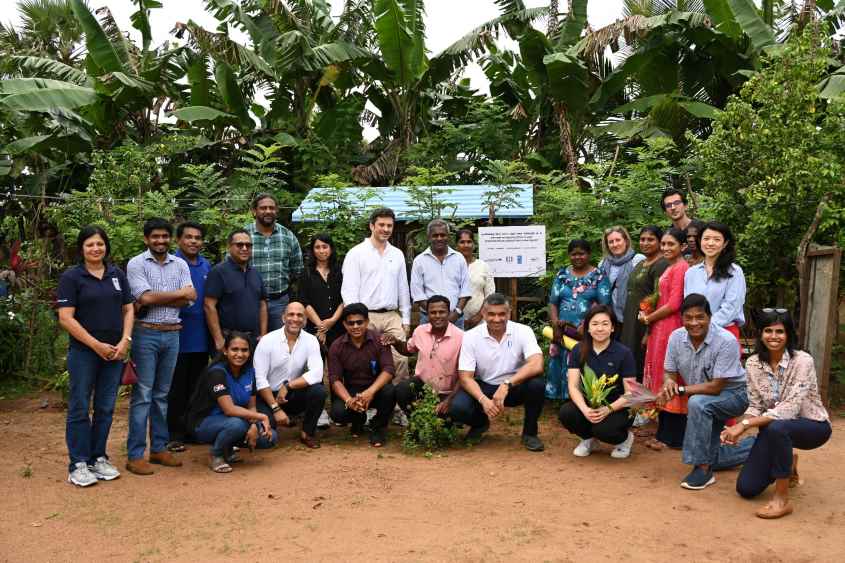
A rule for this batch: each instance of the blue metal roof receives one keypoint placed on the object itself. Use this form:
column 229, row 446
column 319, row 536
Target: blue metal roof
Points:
column 467, row 198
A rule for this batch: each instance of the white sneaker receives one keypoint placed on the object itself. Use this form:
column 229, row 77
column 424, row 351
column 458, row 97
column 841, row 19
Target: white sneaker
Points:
column 623, row 450
column 324, row 421
column 399, row 418
column 81, row 476
column 584, row 449
column 104, row 470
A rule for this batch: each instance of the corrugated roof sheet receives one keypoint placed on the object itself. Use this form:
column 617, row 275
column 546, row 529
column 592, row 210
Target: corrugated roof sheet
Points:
column 467, row 198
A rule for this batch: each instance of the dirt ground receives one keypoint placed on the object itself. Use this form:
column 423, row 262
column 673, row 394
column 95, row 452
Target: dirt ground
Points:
column 350, row 502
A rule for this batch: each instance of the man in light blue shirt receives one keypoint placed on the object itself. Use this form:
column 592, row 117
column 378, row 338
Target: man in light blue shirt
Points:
column 441, row 270
column 707, row 357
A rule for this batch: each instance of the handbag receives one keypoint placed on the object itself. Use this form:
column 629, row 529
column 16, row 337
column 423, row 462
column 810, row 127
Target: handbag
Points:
column 129, row 376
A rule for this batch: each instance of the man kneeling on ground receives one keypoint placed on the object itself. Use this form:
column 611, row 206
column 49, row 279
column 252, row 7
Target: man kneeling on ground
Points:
column 289, row 374
column 437, row 344
column 500, row 366
column 360, row 371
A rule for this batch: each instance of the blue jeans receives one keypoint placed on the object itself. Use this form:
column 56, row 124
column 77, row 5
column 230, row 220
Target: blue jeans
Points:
column 225, row 432
column 155, row 353
column 275, row 311
column 89, row 373
column 705, row 420
column 458, row 323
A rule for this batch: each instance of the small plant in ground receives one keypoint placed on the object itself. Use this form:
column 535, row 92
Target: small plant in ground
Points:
column 26, row 472
column 426, row 431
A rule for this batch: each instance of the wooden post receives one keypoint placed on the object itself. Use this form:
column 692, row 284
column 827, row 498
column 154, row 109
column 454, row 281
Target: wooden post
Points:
column 514, row 298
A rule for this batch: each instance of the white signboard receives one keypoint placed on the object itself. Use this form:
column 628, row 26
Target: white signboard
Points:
column 514, row 252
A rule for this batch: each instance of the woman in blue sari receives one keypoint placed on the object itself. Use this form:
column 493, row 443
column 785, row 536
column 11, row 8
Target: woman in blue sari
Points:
column 575, row 289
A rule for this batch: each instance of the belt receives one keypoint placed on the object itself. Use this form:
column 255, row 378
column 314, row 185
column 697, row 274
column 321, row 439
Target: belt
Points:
column 169, row 327
column 382, row 310
column 278, row 295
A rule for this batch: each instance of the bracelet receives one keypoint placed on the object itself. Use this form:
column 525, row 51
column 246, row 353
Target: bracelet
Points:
column 276, row 408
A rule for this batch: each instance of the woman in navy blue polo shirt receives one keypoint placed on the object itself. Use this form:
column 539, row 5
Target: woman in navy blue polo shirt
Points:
column 609, row 423
column 95, row 307
column 222, row 411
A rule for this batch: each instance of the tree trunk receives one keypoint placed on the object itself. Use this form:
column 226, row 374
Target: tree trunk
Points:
column 554, row 10
column 801, row 259
column 567, row 150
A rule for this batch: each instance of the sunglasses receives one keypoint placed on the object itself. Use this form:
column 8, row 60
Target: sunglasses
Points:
column 354, row 323
column 242, row 244
column 769, row 310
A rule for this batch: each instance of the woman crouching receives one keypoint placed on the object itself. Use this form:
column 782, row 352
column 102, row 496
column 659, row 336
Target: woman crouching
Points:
column 223, row 412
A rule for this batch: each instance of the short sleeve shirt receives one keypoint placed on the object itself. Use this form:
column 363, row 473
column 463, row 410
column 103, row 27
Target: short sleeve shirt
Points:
column 145, row 273
column 214, row 384
column 239, row 294
column 359, row 367
column 716, row 358
column 98, row 303
column 616, row 359
column 194, row 334
column 437, row 359
column 494, row 361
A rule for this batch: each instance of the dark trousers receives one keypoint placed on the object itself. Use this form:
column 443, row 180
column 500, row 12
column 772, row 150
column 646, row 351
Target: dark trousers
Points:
column 771, row 455
column 309, row 400
column 188, row 368
column 612, row 430
column 408, row 392
column 531, row 393
column 384, row 402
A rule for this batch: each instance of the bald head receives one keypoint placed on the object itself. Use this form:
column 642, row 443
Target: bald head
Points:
column 294, row 318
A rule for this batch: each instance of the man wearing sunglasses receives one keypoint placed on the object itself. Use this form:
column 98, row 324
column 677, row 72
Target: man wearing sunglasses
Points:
column 360, row 372
column 235, row 296
column 437, row 344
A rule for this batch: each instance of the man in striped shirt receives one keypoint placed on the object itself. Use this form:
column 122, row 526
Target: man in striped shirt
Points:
column 161, row 284
column 276, row 255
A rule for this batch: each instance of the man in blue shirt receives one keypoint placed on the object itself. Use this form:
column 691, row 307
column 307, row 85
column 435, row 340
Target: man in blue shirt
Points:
column 706, row 356
column 235, row 295
column 193, row 338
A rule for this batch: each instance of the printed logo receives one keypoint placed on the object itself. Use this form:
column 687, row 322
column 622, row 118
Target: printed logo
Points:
column 116, row 283
column 218, row 387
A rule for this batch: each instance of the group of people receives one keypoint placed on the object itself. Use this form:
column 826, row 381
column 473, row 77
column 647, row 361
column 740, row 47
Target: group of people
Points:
column 648, row 316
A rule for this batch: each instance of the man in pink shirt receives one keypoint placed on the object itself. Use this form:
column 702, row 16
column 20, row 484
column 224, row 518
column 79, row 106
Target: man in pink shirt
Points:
column 438, row 345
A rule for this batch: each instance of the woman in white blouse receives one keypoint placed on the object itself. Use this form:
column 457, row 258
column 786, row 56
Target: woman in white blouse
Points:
column 480, row 279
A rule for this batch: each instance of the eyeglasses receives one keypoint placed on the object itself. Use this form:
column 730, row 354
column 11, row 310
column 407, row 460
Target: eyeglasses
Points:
column 354, row 323
column 242, row 244
column 671, row 204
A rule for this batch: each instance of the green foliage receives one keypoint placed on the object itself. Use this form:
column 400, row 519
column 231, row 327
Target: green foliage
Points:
column 426, row 431
column 31, row 345
column 502, row 175
column 425, row 194
column 625, row 192
column 775, row 151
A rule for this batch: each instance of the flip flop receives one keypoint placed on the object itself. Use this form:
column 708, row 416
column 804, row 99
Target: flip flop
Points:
column 219, row 465
column 794, row 479
column 655, row 444
column 378, row 438
column 768, row 513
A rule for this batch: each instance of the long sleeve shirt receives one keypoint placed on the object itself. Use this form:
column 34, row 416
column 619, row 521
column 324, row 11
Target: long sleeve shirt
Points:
column 275, row 363
column 378, row 280
column 726, row 296
column 791, row 391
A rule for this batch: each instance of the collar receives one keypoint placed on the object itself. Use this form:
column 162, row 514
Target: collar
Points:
column 235, row 267
column 782, row 364
column 486, row 333
column 109, row 270
column 149, row 256
column 369, row 242
column 610, row 348
column 708, row 340
column 449, row 252
column 200, row 259
column 370, row 335
column 253, row 228
column 450, row 330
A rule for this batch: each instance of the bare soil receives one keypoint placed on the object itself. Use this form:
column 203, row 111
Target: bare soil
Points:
column 350, row 502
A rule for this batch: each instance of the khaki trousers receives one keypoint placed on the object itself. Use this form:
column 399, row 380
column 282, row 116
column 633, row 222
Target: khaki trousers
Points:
column 391, row 323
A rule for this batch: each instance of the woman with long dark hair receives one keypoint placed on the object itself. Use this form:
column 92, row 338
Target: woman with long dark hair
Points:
column 609, row 423
column 692, row 254
column 785, row 407
column 575, row 289
column 95, row 308
column 319, row 291
column 223, row 411
column 661, row 322
column 642, row 289
column 718, row 278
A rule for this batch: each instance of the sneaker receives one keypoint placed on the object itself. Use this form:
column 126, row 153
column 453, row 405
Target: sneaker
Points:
column 104, row 470
column 698, row 479
column 371, row 413
column 324, row 420
column 623, row 450
column 641, row 420
column 399, row 418
column 583, row 449
column 81, row 476
column 532, row 443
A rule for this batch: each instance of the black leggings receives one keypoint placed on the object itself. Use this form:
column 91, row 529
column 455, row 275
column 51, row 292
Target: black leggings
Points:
column 771, row 456
column 612, row 430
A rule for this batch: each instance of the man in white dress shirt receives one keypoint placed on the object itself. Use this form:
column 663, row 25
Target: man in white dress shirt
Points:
column 375, row 274
column 500, row 365
column 289, row 374
column 440, row 270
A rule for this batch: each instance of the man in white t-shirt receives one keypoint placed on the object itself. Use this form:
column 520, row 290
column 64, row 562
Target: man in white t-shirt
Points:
column 500, row 365
column 289, row 374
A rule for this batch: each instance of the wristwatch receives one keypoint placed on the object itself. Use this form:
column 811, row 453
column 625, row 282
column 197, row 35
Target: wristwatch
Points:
column 276, row 408
column 745, row 422
column 682, row 390
column 508, row 383
column 287, row 386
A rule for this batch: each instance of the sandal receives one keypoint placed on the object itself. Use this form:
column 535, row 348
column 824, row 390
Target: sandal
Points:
column 770, row 513
column 175, row 446
column 655, row 444
column 794, row 479
column 219, row 465
column 378, row 438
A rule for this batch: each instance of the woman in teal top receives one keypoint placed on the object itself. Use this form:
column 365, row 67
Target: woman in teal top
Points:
column 575, row 290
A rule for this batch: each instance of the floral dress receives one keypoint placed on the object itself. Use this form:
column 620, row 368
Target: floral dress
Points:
column 573, row 296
